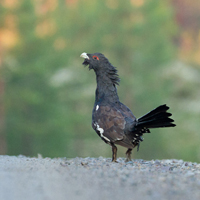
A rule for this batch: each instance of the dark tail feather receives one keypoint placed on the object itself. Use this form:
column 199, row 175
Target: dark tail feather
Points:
column 157, row 118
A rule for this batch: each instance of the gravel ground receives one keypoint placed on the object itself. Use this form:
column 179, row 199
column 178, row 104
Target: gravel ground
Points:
column 97, row 178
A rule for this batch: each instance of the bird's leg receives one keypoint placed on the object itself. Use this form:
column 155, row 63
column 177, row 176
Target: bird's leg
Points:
column 114, row 153
column 128, row 155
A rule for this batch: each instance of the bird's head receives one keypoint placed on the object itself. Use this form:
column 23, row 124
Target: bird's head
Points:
column 96, row 61
column 101, row 65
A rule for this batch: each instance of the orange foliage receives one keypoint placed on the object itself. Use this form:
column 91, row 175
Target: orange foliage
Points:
column 8, row 38
column 112, row 4
column 71, row 3
column 137, row 3
column 10, row 3
column 46, row 28
column 187, row 16
column 11, row 21
column 44, row 6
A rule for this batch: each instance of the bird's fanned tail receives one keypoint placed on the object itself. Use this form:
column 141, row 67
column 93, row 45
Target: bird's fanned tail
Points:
column 157, row 118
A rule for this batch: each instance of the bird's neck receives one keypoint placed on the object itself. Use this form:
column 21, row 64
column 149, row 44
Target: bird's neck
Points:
column 106, row 90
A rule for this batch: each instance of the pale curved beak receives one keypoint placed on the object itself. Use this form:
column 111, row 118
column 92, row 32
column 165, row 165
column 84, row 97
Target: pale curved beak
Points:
column 84, row 55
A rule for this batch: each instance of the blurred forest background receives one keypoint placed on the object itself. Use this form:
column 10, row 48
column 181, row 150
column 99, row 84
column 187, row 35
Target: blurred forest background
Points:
column 47, row 96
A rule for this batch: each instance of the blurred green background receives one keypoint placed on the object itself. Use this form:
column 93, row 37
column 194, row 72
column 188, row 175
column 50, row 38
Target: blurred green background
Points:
column 47, row 96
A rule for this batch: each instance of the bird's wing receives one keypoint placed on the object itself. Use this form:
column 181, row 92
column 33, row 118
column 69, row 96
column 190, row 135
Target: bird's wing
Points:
column 109, row 123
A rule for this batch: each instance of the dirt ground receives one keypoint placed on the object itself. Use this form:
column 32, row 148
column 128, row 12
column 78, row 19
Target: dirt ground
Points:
column 97, row 178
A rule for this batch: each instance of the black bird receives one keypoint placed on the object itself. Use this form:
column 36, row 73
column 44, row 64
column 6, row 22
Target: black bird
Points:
column 113, row 121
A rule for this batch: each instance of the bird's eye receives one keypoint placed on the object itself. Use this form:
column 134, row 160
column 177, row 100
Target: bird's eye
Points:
column 95, row 57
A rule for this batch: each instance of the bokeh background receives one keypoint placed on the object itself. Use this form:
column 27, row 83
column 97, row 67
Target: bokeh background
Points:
column 47, row 96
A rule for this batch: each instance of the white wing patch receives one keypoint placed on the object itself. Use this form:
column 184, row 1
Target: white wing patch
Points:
column 97, row 107
column 101, row 131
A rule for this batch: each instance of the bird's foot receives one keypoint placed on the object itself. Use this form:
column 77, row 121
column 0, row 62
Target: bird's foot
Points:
column 115, row 161
column 128, row 160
